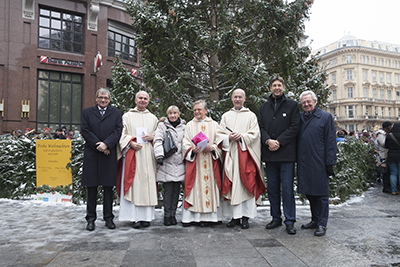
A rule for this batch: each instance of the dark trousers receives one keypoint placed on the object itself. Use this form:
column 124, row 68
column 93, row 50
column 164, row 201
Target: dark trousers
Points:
column 91, row 204
column 319, row 206
column 171, row 197
column 281, row 174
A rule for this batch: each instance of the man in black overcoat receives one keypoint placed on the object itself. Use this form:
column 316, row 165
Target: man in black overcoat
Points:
column 315, row 160
column 101, row 127
column 279, row 120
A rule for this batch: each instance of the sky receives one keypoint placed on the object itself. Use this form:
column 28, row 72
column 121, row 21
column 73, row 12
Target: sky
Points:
column 371, row 20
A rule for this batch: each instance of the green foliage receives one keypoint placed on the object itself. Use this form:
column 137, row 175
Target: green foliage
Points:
column 355, row 168
column 17, row 167
column 206, row 49
column 65, row 190
column 76, row 166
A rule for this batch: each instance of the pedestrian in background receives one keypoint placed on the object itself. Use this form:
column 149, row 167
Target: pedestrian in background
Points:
column 393, row 157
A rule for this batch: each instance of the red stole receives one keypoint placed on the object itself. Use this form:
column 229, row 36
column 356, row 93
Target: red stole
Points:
column 249, row 175
column 130, row 169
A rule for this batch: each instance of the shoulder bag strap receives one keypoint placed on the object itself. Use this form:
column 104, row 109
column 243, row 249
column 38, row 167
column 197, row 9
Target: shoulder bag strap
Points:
column 394, row 139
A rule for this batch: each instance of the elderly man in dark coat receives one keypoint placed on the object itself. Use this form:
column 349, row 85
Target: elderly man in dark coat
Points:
column 316, row 157
column 101, row 127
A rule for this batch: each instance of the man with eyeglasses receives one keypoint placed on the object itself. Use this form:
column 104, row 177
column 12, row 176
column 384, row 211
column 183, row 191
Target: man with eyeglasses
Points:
column 279, row 120
column 315, row 160
column 101, row 127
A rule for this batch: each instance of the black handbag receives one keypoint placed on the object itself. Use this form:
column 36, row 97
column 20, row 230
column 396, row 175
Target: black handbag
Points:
column 169, row 145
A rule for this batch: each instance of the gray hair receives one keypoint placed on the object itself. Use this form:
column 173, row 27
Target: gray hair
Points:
column 103, row 90
column 170, row 108
column 201, row 101
column 309, row 92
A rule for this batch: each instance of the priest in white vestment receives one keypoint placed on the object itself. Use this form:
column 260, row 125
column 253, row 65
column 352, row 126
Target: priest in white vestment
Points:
column 136, row 183
column 243, row 181
column 202, row 178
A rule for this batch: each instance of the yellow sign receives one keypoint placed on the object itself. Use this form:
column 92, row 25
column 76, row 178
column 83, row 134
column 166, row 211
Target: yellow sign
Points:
column 52, row 157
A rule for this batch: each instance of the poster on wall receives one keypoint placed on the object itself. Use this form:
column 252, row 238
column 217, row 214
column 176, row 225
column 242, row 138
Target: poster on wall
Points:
column 52, row 157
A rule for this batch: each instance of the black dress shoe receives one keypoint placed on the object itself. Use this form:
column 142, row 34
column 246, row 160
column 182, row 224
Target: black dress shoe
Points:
column 310, row 225
column 144, row 224
column 90, row 226
column 232, row 223
column 173, row 220
column 110, row 224
column 202, row 224
column 273, row 224
column 167, row 221
column 245, row 223
column 186, row 224
column 321, row 231
column 136, row 225
column 290, row 229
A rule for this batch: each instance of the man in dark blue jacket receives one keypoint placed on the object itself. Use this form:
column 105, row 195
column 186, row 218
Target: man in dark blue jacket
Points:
column 316, row 157
column 279, row 120
column 101, row 127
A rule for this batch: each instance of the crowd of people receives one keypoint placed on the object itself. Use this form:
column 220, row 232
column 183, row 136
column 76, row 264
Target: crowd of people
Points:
column 60, row 133
column 220, row 164
column 387, row 153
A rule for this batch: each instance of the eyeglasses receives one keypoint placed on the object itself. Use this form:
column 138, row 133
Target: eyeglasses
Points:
column 307, row 102
column 103, row 98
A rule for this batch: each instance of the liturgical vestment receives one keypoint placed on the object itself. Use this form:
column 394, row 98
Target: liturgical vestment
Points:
column 202, row 178
column 137, row 169
column 243, row 175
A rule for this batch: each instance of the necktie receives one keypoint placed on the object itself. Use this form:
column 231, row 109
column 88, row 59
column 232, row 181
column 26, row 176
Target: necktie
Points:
column 102, row 112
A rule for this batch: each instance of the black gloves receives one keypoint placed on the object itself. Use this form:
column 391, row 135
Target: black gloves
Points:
column 160, row 161
column 329, row 170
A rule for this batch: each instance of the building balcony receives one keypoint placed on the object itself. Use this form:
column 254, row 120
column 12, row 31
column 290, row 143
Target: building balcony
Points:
column 364, row 100
column 366, row 117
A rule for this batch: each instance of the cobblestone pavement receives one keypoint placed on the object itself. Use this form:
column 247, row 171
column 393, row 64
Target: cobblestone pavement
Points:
column 362, row 232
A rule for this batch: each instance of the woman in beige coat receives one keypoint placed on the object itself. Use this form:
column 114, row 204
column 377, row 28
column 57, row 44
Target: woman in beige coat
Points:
column 171, row 170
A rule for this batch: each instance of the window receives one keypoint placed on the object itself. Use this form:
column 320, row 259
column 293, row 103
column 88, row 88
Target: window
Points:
column 351, row 127
column 365, row 75
column 334, row 94
column 362, row 59
column 382, row 94
column 335, row 62
column 324, row 65
column 355, row 110
column 349, row 75
column 373, row 61
column 376, row 113
column 388, row 78
column 397, row 79
column 349, row 92
column 365, row 92
column 356, row 127
column 397, row 95
column 331, row 63
column 348, row 59
column 382, row 111
column 334, row 112
column 387, row 62
column 389, row 112
column 334, row 78
column 345, row 111
column 381, row 62
column 381, row 77
column 366, row 110
column 366, row 59
column 374, row 93
column 60, row 30
column 374, row 76
column 121, row 42
column 351, row 115
column 389, row 94
column 59, row 100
